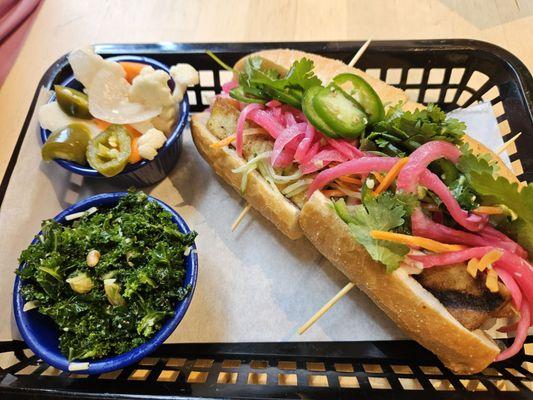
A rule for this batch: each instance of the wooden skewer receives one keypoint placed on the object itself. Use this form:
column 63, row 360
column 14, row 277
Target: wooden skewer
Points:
column 326, row 307
column 359, row 53
column 240, row 217
column 507, row 144
column 517, row 4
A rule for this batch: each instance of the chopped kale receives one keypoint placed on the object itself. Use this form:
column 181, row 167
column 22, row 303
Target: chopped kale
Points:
column 122, row 301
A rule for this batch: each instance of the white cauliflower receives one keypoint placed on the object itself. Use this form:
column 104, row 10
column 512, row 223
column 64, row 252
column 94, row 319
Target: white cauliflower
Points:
column 184, row 75
column 166, row 119
column 151, row 87
column 152, row 140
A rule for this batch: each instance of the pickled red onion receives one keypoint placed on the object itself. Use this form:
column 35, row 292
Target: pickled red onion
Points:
column 322, row 159
column 431, row 181
column 240, row 124
column 313, row 150
column 228, row 86
column 511, row 284
column 521, row 334
column 421, row 158
column 305, row 144
column 503, row 241
column 451, row 257
column 289, row 134
column 345, row 148
column 273, row 104
column 361, row 165
column 424, row 226
column 267, row 122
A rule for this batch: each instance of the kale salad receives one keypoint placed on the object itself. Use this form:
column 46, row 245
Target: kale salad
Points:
column 109, row 280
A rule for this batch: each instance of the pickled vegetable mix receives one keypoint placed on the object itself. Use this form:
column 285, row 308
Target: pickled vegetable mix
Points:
column 108, row 280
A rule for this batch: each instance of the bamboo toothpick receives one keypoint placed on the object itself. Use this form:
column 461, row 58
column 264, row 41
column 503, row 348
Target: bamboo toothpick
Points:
column 504, row 146
column 240, row 217
column 326, row 307
column 359, row 53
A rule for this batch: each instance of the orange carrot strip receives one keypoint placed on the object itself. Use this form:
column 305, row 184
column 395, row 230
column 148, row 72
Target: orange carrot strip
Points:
column 333, row 193
column 415, row 241
column 101, row 124
column 134, row 154
column 378, row 177
column 350, row 179
column 472, row 267
column 391, row 176
column 132, row 69
column 488, row 210
column 224, row 142
column 492, row 281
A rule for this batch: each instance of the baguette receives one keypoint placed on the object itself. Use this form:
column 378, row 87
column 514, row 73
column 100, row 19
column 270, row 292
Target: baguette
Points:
column 414, row 309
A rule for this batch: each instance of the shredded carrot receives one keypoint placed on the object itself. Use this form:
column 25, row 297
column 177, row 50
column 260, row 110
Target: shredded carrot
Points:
column 391, row 176
column 492, row 281
column 333, row 193
column 132, row 69
column 378, row 177
column 489, row 258
column 101, row 124
column 350, row 179
column 489, row 210
column 472, row 267
column 415, row 241
column 346, row 186
column 224, row 142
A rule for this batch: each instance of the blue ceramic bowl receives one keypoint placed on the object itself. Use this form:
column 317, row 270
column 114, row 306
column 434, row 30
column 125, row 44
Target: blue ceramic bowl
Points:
column 143, row 173
column 41, row 334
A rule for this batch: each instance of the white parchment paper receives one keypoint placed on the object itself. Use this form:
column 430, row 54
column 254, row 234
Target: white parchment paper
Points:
column 254, row 284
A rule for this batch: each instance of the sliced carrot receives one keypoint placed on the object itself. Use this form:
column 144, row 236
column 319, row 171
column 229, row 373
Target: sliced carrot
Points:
column 488, row 210
column 101, row 124
column 350, row 179
column 223, row 143
column 132, row 69
column 134, row 154
column 391, row 176
column 378, row 177
column 333, row 193
column 489, row 258
column 415, row 241
column 132, row 131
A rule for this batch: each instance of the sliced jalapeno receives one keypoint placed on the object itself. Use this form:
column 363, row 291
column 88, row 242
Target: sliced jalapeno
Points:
column 68, row 143
column 238, row 94
column 311, row 114
column 108, row 152
column 73, row 102
column 340, row 112
column 364, row 94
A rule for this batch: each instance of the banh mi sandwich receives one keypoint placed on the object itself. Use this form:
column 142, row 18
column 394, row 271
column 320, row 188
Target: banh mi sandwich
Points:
column 429, row 223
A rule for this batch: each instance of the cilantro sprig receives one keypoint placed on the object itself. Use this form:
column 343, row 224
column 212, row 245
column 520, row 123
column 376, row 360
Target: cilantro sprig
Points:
column 402, row 132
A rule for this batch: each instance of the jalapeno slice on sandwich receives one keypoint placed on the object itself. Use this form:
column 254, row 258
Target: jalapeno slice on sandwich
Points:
column 359, row 89
column 108, row 152
column 311, row 114
column 340, row 112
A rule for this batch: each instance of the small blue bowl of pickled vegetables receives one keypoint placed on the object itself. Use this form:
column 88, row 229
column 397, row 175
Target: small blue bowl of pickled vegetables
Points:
column 114, row 118
column 94, row 313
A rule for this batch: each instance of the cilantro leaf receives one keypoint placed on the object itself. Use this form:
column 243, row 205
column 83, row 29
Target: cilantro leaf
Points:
column 382, row 213
column 401, row 132
column 498, row 190
column 470, row 162
column 301, row 74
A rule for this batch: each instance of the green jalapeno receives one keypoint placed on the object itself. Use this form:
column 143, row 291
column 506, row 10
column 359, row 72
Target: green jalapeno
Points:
column 364, row 94
column 68, row 143
column 340, row 112
column 311, row 114
column 73, row 102
column 108, row 152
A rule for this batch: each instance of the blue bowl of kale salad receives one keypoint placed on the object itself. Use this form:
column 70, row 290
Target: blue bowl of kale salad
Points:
column 105, row 282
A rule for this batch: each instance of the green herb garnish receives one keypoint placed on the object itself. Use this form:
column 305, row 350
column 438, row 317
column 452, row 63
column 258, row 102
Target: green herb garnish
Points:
column 120, row 302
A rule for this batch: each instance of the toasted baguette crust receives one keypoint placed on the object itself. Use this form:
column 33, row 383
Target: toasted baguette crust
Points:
column 326, row 69
column 416, row 311
column 271, row 204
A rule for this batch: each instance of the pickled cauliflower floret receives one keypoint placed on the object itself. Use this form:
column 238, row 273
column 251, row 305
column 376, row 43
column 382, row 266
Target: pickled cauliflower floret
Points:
column 150, row 142
column 151, row 87
column 184, row 75
column 166, row 119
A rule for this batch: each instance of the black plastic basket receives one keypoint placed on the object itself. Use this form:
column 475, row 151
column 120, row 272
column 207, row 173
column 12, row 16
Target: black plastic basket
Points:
column 453, row 73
